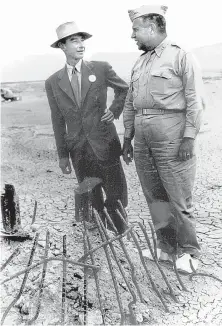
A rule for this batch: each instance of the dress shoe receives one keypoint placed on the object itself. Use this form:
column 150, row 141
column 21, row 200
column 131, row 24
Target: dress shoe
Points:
column 161, row 255
column 183, row 263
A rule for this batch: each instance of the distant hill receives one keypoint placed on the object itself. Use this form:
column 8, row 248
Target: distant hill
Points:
column 34, row 67
column 122, row 63
column 39, row 67
column 209, row 57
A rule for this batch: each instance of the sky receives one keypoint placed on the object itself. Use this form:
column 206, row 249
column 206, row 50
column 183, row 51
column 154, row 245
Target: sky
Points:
column 28, row 26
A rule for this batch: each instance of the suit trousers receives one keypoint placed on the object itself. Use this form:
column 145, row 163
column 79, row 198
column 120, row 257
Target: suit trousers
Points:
column 167, row 182
column 86, row 164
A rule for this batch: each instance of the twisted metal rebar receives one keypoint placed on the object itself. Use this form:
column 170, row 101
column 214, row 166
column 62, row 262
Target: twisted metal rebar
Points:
column 154, row 239
column 132, row 317
column 24, row 280
column 34, row 213
column 96, row 278
column 17, row 250
column 111, row 269
column 29, row 322
column 127, row 256
column 201, row 274
column 205, row 275
column 144, row 265
column 148, row 273
column 177, row 275
column 85, row 282
column 154, row 254
column 105, row 244
column 157, row 263
column 64, row 270
column 107, row 241
column 72, row 262
column 123, row 211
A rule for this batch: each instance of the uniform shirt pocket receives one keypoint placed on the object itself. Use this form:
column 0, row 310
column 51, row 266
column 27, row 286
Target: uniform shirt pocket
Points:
column 164, row 81
column 164, row 86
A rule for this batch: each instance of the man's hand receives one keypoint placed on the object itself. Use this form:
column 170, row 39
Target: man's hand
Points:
column 127, row 151
column 108, row 117
column 186, row 150
column 65, row 165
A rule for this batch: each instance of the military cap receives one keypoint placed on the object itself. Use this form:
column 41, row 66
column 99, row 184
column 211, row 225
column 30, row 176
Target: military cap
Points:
column 147, row 9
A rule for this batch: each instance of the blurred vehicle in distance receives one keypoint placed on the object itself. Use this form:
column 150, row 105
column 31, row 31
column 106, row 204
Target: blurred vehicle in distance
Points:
column 7, row 95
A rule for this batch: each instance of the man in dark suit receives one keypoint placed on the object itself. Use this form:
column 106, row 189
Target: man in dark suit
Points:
column 83, row 126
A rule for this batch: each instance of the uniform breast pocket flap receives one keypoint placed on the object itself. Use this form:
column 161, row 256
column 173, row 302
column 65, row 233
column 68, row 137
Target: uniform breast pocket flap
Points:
column 161, row 73
column 161, row 81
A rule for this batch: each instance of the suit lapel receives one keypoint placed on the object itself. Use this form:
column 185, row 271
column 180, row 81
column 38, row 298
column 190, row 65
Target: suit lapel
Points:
column 86, row 70
column 65, row 84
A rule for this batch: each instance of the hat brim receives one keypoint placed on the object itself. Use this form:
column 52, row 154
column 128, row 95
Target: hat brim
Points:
column 84, row 34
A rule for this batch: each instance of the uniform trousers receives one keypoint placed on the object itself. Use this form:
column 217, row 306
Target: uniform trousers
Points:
column 167, row 182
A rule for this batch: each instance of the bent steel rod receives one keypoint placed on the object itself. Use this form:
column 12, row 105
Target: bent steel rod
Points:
column 24, row 280
column 64, row 280
column 105, row 243
column 177, row 275
column 205, row 275
column 29, row 322
column 157, row 263
column 123, row 211
column 111, row 270
column 154, row 239
column 148, row 273
column 201, row 274
column 145, row 267
column 85, row 281
column 121, row 271
column 154, row 254
column 132, row 320
column 34, row 213
column 85, row 286
column 96, row 268
column 127, row 256
column 9, row 259
column 96, row 278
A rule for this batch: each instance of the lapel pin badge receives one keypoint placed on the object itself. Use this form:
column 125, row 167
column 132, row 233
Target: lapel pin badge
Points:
column 92, row 78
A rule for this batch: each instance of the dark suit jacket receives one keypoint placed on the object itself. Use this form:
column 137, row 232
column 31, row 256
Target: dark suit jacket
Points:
column 74, row 125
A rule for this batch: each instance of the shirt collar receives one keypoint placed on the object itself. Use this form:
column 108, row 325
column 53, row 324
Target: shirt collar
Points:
column 159, row 49
column 77, row 66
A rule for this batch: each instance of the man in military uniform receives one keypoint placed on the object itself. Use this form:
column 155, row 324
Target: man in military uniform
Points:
column 163, row 108
column 82, row 123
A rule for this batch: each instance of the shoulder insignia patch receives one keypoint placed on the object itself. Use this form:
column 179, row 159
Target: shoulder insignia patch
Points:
column 183, row 48
column 175, row 44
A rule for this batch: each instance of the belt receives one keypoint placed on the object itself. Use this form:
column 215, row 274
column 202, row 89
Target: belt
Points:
column 157, row 111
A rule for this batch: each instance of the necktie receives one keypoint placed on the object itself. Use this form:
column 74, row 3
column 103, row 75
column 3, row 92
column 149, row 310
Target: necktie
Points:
column 75, row 86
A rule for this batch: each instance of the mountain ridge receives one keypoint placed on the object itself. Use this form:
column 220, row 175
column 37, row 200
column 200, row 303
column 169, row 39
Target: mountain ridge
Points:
column 209, row 58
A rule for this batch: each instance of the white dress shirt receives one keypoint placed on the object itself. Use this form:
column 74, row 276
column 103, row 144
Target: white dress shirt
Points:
column 78, row 68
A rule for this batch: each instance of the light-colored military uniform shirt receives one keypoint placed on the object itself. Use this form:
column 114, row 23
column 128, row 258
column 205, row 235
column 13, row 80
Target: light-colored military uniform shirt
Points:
column 165, row 78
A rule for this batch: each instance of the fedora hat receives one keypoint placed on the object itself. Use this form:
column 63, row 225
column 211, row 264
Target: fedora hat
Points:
column 66, row 30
